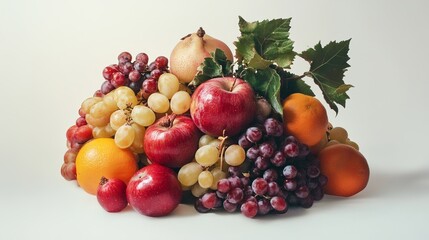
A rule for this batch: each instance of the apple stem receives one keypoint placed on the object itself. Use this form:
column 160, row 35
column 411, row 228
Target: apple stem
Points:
column 233, row 84
column 168, row 123
column 103, row 180
column 201, row 32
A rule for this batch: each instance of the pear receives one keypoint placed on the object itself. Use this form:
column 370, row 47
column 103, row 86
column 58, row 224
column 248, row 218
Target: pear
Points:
column 190, row 52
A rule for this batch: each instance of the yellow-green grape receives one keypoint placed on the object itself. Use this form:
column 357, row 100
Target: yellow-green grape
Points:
column 158, row 103
column 339, row 134
column 143, row 115
column 88, row 103
column 103, row 132
column 207, row 155
column 117, row 119
column 124, row 136
column 180, row 102
column 110, row 103
column 205, row 179
column 353, row 144
column 214, row 143
column 188, row 174
column 99, row 110
column 122, row 91
column 204, row 140
column 197, row 190
column 218, row 174
column 183, row 87
column 168, row 84
column 332, row 142
column 124, row 101
column 234, row 155
column 97, row 122
column 138, row 142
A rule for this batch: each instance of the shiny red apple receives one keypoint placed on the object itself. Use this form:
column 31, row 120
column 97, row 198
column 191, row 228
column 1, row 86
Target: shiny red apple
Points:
column 172, row 141
column 225, row 103
column 154, row 191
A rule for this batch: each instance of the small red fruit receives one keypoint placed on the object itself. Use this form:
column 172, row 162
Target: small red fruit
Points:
column 82, row 134
column 111, row 194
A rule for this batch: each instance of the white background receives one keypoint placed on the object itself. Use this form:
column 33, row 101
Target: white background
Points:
column 51, row 57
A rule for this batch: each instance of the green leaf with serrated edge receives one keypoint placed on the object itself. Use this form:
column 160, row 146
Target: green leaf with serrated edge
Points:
column 265, row 82
column 264, row 43
column 327, row 67
column 291, row 83
column 215, row 66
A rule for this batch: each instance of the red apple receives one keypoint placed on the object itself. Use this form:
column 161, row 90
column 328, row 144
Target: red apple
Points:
column 111, row 194
column 223, row 104
column 172, row 141
column 154, row 191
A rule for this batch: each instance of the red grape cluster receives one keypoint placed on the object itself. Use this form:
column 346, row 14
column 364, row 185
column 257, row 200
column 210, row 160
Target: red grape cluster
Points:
column 137, row 75
column 281, row 172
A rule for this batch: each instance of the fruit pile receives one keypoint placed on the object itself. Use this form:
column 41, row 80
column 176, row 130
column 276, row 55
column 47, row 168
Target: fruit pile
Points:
column 227, row 133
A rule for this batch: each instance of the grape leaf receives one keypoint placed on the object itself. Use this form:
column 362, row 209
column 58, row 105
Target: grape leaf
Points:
column 327, row 67
column 266, row 82
column 291, row 83
column 215, row 66
column 264, row 43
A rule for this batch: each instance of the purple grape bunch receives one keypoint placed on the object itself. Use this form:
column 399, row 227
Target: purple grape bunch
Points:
column 137, row 75
column 280, row 173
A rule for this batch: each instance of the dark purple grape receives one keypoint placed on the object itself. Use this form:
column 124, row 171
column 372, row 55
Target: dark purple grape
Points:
column 150, row 86
column 106, row 87
column 273, row 127
column 209, row 200
column 124, row 57
column 118, row 79
column 263, row 109
column 313, row 171
column 290, row 139
column 143, row 58
column 245, row 181
column 221, row 195
column 219, row 202
column 291, row 149
column 134, row 76
column 278, row 203
column 161, row 62
column 249, row 209
column 266, row 150
column 234, row 171
column 229, row 207
column 151, row 67
column 302, row 192
column 140, row 66
column 250, row 198
column 290, row 184
column 126, row 68
column 235, row 195
column 235, row 182
column 262, row 163
column 290, row 171
column 155, row 74
column 304, row 150
column 259, row 186
column 223, row 185
column 270, row 175
column 306, row 202
column 256, row 172
column 244, row 142
column 322, row 180
column 135, row 86
column 198, row 205
column 292, row 199
column 253, row 134
column 317, row 193
column 312, row 183
column 278, row 159
column 264, row 206
column 109, row 71
column 248, row 191
column 252, row 153
column 273, row 189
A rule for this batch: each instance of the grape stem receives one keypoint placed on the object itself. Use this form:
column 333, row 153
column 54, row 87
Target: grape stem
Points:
column 222, row 148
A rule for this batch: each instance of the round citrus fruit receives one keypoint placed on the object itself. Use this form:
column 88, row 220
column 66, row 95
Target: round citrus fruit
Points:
column 346, row 169
column 101, row 157
column 305, row 118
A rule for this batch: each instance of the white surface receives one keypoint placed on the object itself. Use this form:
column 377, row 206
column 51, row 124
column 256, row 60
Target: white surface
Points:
column 51, row 57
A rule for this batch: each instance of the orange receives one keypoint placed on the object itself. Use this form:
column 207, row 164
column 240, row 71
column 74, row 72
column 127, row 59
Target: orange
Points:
column 101, row 157
column 346, row 169
column 305, row 118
